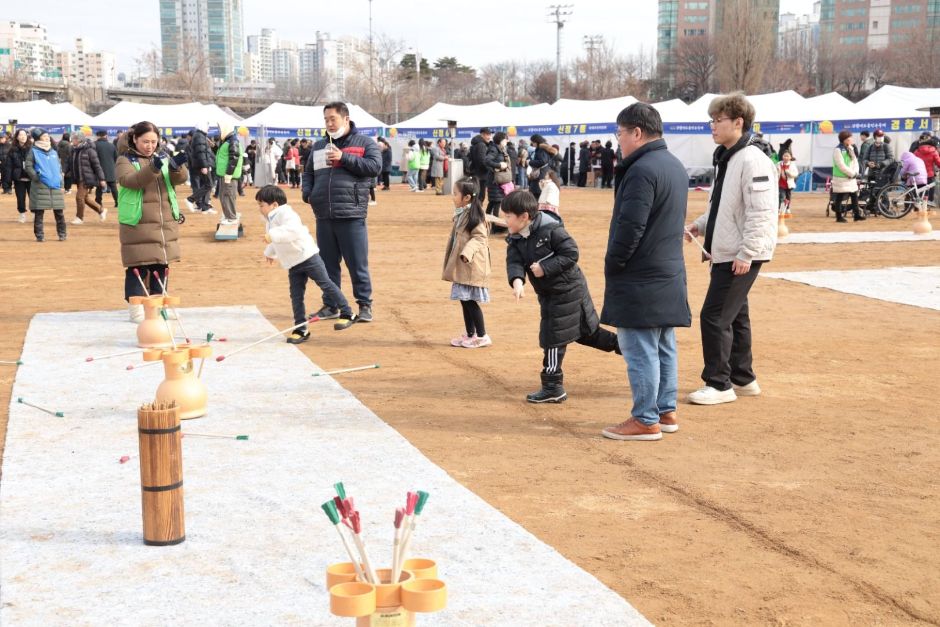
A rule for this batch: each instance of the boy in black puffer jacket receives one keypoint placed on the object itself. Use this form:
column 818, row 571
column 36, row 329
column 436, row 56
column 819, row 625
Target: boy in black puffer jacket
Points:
column 542, row 251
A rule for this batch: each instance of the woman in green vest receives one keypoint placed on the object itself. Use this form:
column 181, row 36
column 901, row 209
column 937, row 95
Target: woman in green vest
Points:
column 147, row 210
column 424, row 164
column 844, row 171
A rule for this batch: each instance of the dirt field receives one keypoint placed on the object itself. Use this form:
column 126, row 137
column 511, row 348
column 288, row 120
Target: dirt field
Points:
column 815, row 503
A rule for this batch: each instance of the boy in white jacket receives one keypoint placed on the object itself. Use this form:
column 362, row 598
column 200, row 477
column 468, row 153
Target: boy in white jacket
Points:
column 290, row 243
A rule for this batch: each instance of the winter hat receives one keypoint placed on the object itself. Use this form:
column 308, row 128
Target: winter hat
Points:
column 202, row 126
column 225, row 129
column 36, row 132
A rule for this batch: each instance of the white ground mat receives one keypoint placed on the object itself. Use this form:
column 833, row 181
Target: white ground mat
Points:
column 857, row 237
column 257, row 542
column 918, row 286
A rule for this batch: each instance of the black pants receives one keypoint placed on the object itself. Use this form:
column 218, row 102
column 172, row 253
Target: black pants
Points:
column 837, row 204
column 100, row 192
column 601, row 339
column 132, row 286
column 22, row 191
column 201, row 188
column 293, row 177
column 473, row 318
column 68, row 182
column 422, row 179
column 385, row 180
column 38, row 230
column 607, row 178
column 372, row 193
column 582, row 179
column 346, row 240
column 314, row 270
column 726, row 328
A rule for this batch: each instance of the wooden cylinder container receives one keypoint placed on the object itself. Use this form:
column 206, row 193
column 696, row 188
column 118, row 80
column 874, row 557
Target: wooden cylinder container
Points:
column 161, row 473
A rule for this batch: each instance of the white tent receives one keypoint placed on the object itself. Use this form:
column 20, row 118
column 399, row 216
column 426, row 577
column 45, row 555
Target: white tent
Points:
column 286, row 120
column 172, row 119
column 56, row 118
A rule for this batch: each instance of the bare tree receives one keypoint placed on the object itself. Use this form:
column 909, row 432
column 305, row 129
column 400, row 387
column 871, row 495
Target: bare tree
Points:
column 748, row 47
column 696, row 68
column 192, row 74
column 12, row 81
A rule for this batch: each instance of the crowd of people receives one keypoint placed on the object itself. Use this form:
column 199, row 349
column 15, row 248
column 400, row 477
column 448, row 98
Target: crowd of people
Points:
column 515, row 184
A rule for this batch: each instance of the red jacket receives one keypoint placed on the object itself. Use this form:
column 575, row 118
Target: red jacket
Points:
column 929, row 155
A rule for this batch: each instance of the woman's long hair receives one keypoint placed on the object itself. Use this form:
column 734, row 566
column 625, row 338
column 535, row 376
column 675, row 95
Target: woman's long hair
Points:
column 468, row 187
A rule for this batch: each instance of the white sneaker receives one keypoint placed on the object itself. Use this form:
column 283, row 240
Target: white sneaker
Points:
column 751, row 389
column 372, row 203
column 227, row 221
column 190, row 206
column 104, row 214
column 22, row 218
column 238, row 216
column 136, row 313
column 710, row 396
column 76, row 221
column 210, row 211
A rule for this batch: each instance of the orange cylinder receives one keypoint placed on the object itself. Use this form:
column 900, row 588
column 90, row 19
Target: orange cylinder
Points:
column 153, row 331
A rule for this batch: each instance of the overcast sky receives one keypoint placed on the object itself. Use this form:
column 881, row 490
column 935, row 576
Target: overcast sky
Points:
column 476, row 32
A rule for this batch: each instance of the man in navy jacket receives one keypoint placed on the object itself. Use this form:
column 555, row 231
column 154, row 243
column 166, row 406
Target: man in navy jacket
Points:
column 645, row 295
column 336, row 181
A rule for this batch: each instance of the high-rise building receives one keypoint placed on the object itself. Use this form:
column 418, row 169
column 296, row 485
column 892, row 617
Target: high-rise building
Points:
column 262, row 45
column 798, row 34
column 853, row 26
column 86, row 68
column 682, row 21
column 25, row 48
column 207, row 33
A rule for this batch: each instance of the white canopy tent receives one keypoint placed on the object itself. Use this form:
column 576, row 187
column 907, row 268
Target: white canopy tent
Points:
column 286, row 120
column 171, row 119
column 55, row 118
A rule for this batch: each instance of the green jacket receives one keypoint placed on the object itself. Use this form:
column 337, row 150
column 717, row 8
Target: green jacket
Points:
column 425, row 161
column 229, row 158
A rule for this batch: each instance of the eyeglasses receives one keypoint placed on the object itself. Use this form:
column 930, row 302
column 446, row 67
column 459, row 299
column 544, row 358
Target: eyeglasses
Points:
column 716, row 121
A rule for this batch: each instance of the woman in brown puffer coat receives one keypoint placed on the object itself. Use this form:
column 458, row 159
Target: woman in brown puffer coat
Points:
column 148, row 211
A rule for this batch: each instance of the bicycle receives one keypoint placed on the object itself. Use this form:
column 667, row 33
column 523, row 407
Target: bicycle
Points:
column 897, row 200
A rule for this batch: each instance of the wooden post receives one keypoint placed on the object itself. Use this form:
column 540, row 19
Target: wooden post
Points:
column 161, row 473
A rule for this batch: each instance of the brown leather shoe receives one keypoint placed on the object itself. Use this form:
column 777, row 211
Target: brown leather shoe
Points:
column 633, row 429
column 667, row 422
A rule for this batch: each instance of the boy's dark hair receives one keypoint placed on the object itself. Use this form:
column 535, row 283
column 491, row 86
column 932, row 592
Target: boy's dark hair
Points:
column 468, row 186
column 642, row 116
column 734, row 105
column 499, row 137
column 520, row 202
column 339, row 107
column 271, row 195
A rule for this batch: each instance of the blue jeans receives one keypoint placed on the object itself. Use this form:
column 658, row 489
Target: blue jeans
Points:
column 412, row 179
column 653, row 370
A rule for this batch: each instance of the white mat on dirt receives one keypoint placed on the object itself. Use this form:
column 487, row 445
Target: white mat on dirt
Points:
column 857, row 237
column 918, row 286
column 257, row 542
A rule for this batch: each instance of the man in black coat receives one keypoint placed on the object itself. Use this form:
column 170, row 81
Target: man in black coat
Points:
column 201, row 162
column 479, row 146
column 541, row 250
column 644, row 270
column 64, row 150
column 107, row 157
column 336, row 182
column 584, row 164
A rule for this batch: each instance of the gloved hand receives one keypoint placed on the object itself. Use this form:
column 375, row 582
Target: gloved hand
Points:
column 157, row 161
column 227, row 178
column 178, row 160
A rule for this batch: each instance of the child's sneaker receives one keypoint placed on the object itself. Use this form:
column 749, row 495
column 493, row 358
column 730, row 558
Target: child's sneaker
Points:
column 76, row 221
column 22, row 218
column 327, row 313
column 345, row 323
column 458, row 341
column 299, row 336
column 103, row 215
column 477, row 342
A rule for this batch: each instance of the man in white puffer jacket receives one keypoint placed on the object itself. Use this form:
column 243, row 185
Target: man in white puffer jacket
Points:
column 290, row 243
column 740, row 232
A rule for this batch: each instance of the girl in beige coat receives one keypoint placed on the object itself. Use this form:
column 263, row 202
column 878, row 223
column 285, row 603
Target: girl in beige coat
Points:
column 467, row 263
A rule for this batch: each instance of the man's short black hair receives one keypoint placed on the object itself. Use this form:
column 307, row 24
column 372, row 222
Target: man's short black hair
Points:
column 642, row 116
column 520, row 202
column 271, row 195
column 864, row 134
column 339, row 107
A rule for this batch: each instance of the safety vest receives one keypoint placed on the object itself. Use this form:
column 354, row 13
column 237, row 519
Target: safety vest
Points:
column 131, row 201
column 836, row 172
column 425, row 160
column 415, row 160
column 221, row 160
